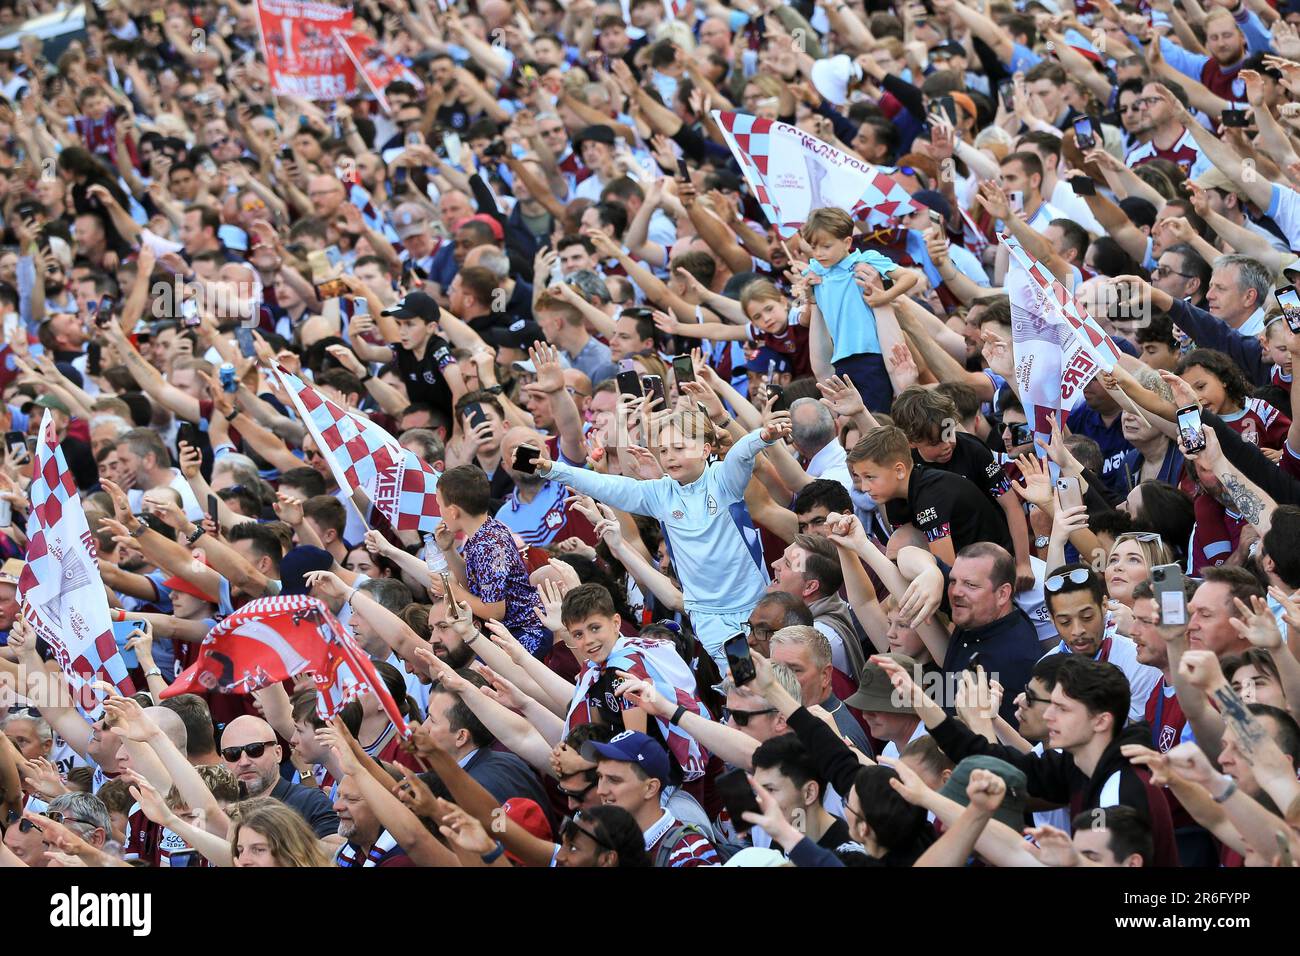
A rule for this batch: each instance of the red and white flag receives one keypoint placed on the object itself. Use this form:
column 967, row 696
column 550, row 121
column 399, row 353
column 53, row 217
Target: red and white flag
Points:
column 1057, row 346
column 302, row 56
column 375, row 65
column 792, row 173
column 276, row 638
column 361, row 455
column 60, row 590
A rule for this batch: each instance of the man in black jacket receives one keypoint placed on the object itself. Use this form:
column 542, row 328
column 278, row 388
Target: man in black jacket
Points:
column 1082, row 766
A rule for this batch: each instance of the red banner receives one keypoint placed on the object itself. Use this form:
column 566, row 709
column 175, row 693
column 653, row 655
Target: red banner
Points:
column 275, row 638
column 301, row 53
column 376, row 66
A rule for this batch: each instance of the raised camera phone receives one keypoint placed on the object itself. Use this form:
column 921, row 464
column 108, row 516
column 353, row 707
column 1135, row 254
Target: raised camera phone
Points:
column 330, row 289
column 683, row 369
column 526, row 459
column 1083, row 135
column 1234, row 118
column 1189, row 428
column 1167, row 584
column 629, row 383
column 1289, row 300
column 1069, row 491
column 739, row 660
column 475, row 414
column 654, row 388
column 737, row 798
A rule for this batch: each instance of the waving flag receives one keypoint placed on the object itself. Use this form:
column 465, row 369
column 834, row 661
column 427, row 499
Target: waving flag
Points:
column 1048, row 334
column 301, row 54
column 363, row 456
column 657, row 661
column 792, row 173
column 276, row 638
column 375, row 65
column 60, row 591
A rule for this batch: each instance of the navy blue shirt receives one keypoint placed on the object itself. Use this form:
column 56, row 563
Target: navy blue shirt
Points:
column 1084, row 421
column 1008, row 649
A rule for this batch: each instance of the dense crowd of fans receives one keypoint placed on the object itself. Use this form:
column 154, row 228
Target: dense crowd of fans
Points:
column 750, row 550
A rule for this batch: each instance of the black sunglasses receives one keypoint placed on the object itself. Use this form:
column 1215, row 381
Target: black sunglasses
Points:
column 743, row 717
column 572, row 824
column 578, row 795
column 232, row 754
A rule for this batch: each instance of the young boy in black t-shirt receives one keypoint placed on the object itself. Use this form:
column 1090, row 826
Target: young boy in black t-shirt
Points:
column 951, row 511
column 930, row 420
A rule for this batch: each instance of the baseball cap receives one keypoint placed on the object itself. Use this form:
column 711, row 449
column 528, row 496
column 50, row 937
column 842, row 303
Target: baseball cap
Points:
column 498, row 233
column 232, row 237
column 631, row 746
column 177, row 583
column 759, row 363
column 875, row 692
column 410, row 219
column 1012, row 811
column 833, row 75
column 53, row 403
column 1214, row 179
column 948, row 48
column 519, row 334
column 528, row 815
column 931, row 199
column 416, row 305
column 11, row 570
column 964, row 103
column 597, row 134
column 1292, row 268
column 298, row 563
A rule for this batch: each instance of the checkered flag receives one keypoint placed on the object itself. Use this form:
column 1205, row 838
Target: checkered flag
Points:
column 791, row 173
column 60, row 590
column 363, row 456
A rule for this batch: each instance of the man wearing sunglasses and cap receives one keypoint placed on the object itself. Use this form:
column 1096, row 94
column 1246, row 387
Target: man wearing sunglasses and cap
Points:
column 1076, row 600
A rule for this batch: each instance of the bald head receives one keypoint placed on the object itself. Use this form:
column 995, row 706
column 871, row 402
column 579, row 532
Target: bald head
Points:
column 171, row 725
column 512, row 440
column 246, row 729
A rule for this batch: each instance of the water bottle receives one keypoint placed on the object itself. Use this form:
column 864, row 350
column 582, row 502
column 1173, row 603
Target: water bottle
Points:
column 433, row 556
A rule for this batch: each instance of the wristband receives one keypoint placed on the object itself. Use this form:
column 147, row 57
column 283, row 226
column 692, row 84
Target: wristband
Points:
column 1228, row 792
column 367, row 377
column 153, row 672
column 140, row 529
column 197, row 533
column 117, row 614
column 496, row 852
column 678, row 714
column 232, row 416
column 351, row 595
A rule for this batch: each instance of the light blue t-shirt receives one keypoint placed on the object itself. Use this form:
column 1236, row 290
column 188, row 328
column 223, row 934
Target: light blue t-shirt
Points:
column 850, row 322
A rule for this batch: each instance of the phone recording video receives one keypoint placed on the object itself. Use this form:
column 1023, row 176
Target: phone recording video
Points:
column 1189, row 428
column 1084, row 137
column 739, row 660
column 1289, row 300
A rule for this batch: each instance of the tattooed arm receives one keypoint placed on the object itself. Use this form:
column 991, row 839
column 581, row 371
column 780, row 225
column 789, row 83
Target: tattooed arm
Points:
column 1252, row 503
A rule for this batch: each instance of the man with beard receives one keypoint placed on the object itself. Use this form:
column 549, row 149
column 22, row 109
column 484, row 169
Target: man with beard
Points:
column 537, row 509
column 250, row 752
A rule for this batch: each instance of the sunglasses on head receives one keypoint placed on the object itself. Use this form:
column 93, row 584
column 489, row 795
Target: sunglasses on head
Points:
column 232, row 754
column 573, row 823
column 1076, row 576
column 743, row 717
column 1145, row 536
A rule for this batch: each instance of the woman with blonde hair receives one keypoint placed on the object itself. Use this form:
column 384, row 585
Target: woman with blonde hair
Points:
column 1130, row 561
column 265, row 832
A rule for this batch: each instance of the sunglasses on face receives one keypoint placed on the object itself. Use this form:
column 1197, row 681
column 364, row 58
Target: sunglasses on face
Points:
column 232, row 754
column 743, row 717
column 1076, row 576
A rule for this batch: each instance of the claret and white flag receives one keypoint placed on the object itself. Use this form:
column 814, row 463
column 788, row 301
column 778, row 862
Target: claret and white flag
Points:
column 361, row 455
column 60, row 591
column 1057, row 346
column 792, row 173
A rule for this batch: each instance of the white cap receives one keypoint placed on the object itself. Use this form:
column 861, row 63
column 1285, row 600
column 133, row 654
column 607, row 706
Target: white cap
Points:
column 832, row 76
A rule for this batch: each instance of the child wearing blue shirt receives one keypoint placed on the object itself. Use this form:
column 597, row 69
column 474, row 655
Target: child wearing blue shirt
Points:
column 845, row 286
